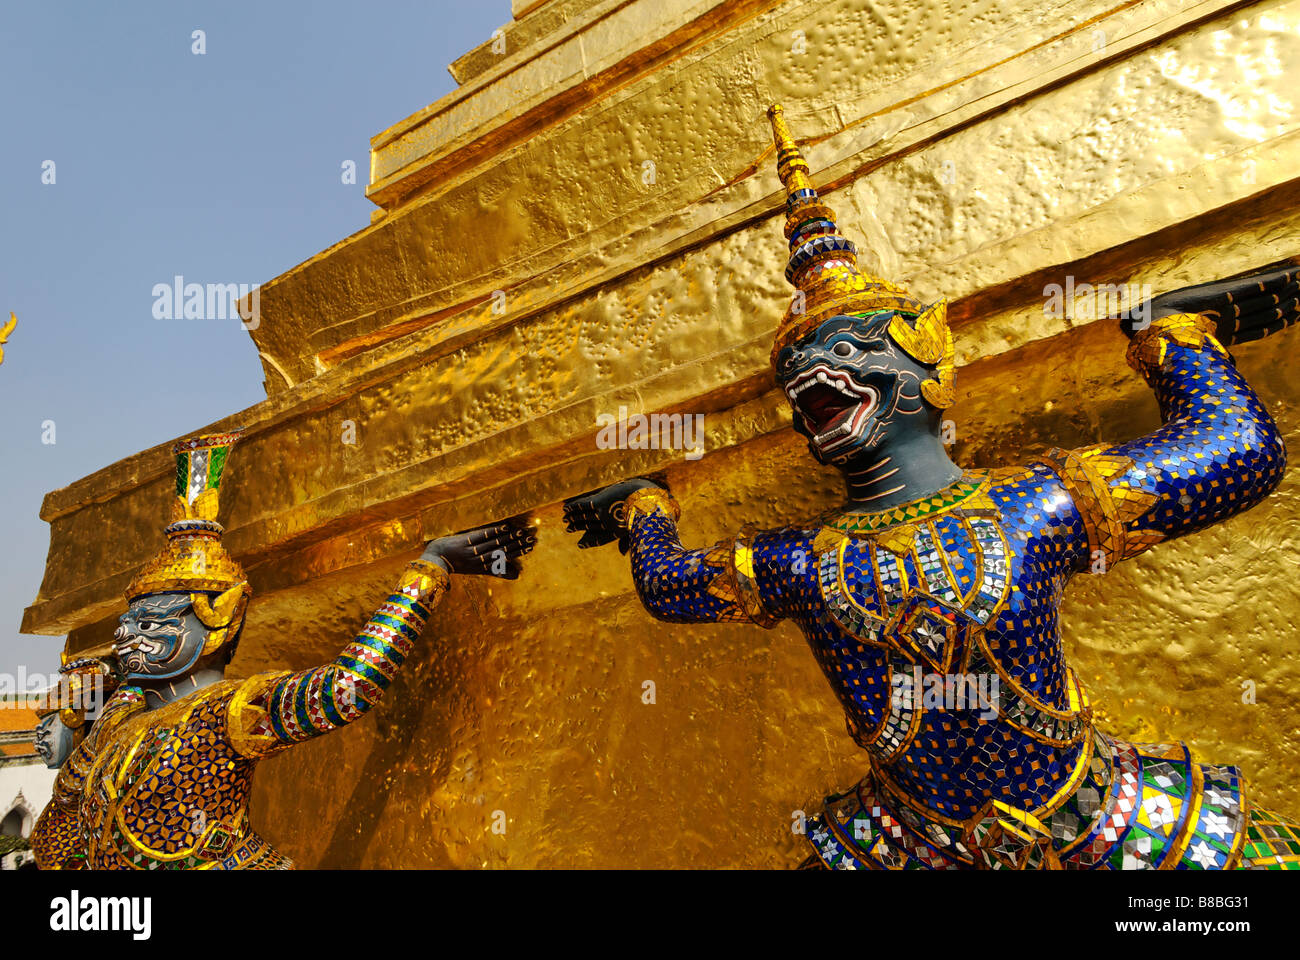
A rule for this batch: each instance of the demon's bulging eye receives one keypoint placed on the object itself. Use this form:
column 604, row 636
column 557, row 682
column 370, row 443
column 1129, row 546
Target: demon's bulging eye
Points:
column 146, row 624
column 843, row 348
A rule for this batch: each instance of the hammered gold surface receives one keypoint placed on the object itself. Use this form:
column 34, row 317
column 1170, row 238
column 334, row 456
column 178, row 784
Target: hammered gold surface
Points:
column 978, row 151
column 1066, row 170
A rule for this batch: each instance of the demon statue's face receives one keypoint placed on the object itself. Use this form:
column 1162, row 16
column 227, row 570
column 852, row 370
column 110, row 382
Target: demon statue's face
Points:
column 159, row 637
column 53, row 741
column 854, row 391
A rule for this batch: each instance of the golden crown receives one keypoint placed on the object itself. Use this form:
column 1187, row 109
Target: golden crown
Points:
column 823, row 268
column 193, row 558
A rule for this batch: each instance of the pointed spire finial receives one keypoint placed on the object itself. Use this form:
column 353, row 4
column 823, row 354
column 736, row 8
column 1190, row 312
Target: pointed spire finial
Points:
column 824, row 267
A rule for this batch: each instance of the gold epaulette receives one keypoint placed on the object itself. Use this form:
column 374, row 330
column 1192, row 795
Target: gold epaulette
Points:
column 1106, row 505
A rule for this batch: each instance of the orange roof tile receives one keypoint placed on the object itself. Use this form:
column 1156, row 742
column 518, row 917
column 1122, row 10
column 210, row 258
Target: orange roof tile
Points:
column 18, row 714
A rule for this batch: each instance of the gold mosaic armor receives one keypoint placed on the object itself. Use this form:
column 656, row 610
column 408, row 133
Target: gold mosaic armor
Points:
column 168, row 788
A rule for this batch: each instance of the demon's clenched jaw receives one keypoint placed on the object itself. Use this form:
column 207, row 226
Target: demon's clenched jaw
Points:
column 159, row 637
column 53, row 741
column 853, row 389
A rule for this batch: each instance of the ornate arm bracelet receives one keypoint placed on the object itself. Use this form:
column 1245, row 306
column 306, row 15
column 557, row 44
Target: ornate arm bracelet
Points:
column 1147, row 350
column 424, row 581
column 647, row 500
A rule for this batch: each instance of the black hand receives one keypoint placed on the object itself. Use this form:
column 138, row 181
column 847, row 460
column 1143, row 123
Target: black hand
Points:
column 494, row 550
column 1243, row 307
column 593, row 513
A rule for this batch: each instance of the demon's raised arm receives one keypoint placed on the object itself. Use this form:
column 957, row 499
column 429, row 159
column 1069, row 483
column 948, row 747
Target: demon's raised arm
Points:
column 1218, row 451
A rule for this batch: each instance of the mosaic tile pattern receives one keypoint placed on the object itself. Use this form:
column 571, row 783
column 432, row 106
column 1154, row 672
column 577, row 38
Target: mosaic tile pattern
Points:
column 1135, row 810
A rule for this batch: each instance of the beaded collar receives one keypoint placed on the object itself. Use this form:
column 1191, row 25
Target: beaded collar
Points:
column 966, row 491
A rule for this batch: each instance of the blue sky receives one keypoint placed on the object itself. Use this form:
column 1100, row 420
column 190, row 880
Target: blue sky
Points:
column 223, row 168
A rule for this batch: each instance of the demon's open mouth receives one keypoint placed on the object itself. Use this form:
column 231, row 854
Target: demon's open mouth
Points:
column 835, row 407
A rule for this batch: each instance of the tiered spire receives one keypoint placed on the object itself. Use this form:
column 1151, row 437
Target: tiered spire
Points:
column 824, row 268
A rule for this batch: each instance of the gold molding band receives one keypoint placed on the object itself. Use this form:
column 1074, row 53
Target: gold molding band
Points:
column 429, row 580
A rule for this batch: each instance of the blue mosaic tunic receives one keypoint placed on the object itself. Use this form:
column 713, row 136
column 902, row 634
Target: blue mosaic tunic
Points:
column 936, row 625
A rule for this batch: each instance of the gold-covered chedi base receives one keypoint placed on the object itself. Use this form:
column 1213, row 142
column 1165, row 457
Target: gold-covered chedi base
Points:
column 611, row 177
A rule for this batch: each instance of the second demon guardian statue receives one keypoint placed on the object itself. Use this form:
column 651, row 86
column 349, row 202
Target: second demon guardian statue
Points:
column 932, row 570
column 163, row 777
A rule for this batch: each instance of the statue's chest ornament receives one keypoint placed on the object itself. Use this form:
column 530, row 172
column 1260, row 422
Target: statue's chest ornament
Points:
column 144, row 754
column 922, row 583
column 917, row 579
column 917, row 603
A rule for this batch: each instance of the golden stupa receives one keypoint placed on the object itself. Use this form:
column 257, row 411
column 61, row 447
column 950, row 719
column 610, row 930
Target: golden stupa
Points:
column 587, row 223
